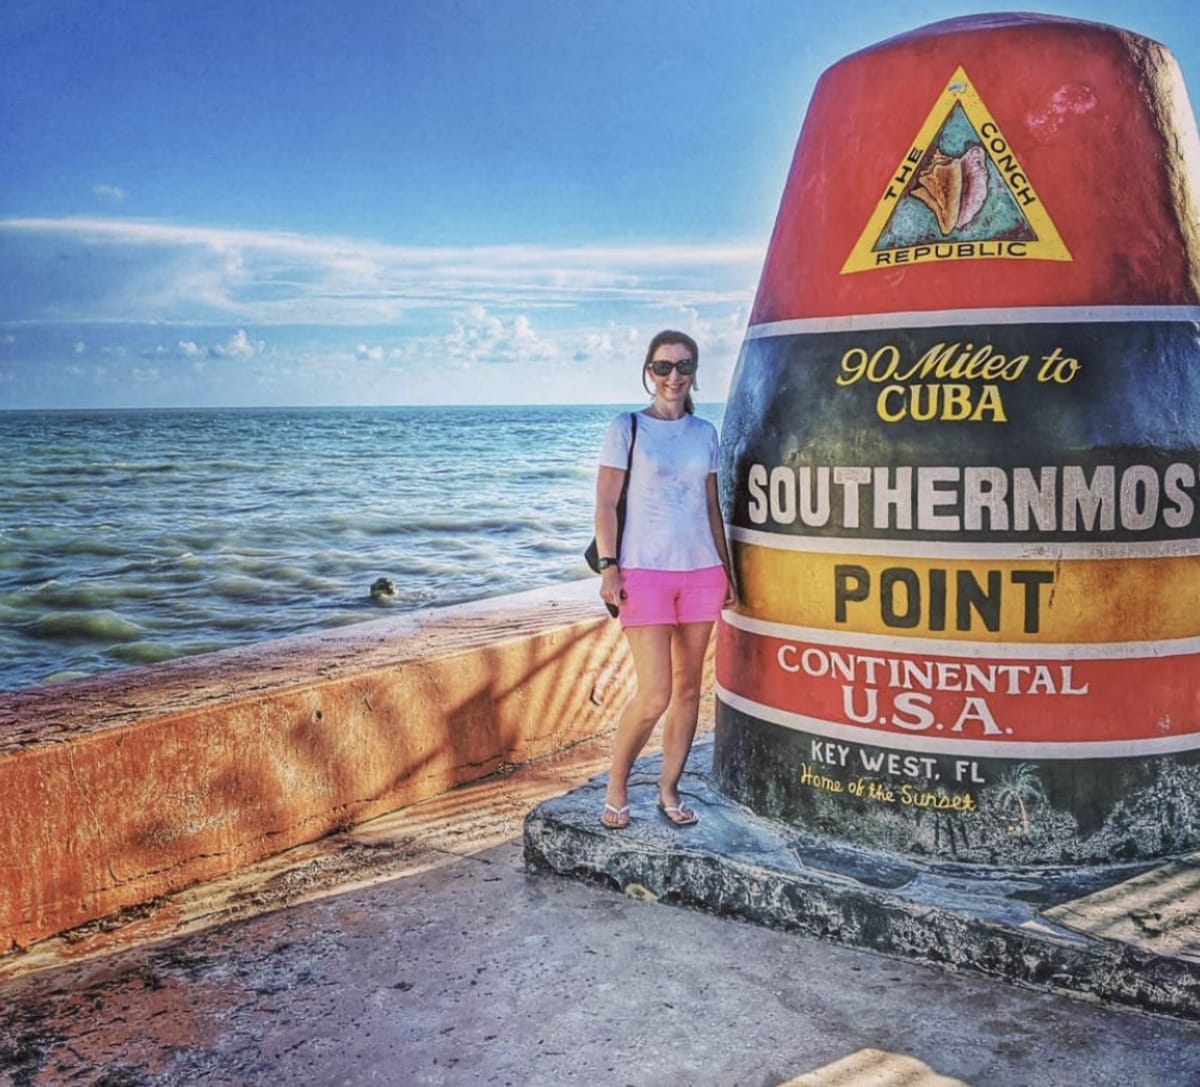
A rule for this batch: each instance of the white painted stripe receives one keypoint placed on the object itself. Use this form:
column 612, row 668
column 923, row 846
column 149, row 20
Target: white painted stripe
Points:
column 866, row 737
column 936, row 647
column 1029, row 315
column 940, row 549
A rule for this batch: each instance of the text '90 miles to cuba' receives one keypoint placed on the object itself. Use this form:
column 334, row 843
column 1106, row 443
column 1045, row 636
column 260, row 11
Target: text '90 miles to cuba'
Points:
column 950, row 382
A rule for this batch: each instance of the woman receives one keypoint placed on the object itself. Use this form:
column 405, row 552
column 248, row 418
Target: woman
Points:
column 671, row 577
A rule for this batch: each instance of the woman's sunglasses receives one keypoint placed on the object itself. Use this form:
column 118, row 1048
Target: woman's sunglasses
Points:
column 662, row 367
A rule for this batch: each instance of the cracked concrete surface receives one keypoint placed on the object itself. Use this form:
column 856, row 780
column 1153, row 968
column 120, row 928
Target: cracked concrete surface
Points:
column 417, row 950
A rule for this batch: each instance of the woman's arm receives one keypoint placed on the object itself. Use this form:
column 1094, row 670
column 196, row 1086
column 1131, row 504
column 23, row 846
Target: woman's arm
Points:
column 717, row 525
column 609, row 482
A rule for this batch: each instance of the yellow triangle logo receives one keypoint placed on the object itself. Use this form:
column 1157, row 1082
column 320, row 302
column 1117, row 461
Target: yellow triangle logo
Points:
column 959, row 193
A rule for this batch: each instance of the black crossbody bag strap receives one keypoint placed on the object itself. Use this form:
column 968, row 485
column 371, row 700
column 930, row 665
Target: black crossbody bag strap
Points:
column 625, row 484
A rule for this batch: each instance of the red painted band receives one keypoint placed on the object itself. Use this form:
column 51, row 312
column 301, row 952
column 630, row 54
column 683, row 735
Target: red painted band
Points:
column 1058, row 94
column 1026, row 707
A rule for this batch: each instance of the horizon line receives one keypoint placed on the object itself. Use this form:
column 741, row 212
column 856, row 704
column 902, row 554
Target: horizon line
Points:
column 624, row 405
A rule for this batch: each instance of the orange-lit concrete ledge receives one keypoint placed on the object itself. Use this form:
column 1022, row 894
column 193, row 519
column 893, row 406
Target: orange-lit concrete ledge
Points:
column 128, row 786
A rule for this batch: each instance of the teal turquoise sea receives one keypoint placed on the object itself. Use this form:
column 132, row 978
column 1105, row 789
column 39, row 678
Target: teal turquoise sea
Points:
column 131, row 537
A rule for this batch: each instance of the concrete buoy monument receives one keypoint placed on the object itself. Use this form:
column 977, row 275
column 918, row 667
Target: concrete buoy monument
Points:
column 961, row 457
column 958, row 703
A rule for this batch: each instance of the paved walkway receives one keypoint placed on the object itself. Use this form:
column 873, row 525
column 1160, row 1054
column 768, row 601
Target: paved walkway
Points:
column 417, row 950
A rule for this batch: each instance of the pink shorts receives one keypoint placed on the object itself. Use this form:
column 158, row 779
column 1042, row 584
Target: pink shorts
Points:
column 669, row 597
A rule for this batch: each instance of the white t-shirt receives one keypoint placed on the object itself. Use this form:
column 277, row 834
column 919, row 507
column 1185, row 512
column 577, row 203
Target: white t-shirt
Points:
column 666, row 513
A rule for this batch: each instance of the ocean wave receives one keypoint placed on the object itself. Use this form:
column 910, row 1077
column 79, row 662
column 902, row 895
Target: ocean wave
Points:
column 248, row 589
column 83, row 626
column 230, row 465
column 89, row 545
column 203, row 539
column 423, row 566
column 65, row 675
column 374, row 525
column 145, row 652
column 561, row 545
column 90, row 593
column 67, row 469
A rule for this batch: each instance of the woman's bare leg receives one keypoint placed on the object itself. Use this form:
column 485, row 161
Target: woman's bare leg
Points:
column 688, row 647
column 650, row 647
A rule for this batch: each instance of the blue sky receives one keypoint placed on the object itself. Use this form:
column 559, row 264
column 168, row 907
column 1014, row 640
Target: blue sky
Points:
column 405, row 202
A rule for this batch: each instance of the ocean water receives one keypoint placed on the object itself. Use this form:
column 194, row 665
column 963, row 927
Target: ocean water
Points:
column 130, row 537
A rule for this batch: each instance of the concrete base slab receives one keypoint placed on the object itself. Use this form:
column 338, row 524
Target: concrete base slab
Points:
column 440, row 961
column 1065, row 930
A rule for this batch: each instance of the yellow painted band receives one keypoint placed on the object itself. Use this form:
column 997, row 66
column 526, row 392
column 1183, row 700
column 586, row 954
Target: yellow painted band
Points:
column 1023, row 600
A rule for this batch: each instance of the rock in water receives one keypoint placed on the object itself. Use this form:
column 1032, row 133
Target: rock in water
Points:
column 383, row 589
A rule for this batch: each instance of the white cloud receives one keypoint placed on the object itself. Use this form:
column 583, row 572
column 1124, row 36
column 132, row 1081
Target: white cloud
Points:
column 483, row 337
column 109, row 194
column 117, row 270
column 609, row 343
column 238, row 346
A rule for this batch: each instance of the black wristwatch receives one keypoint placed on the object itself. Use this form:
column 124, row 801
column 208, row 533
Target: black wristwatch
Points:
column 604, row 564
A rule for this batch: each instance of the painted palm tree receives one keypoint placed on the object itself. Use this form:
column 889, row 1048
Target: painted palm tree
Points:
column 1021, row 788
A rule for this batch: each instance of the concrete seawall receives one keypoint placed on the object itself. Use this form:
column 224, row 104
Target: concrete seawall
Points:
column 129, row 786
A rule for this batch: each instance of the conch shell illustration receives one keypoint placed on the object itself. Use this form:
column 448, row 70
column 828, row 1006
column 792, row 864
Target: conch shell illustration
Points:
column 954, row 189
